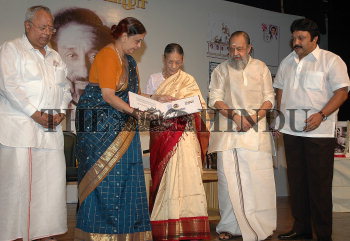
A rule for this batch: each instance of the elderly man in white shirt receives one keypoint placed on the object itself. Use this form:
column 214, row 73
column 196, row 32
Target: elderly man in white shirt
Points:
column 32, row 164
column 241, row 91
column 311, row 85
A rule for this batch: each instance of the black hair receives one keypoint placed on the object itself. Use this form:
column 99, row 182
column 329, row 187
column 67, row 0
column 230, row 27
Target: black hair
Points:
column 128, row 25
column 82, row 16
column 305, row 24
column 172, row 48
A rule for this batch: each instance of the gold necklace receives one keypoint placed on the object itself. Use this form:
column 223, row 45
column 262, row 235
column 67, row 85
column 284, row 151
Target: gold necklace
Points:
column 123, row 77
column 120, row 59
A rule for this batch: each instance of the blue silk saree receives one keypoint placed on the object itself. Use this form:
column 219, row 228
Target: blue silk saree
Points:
column 112, row 194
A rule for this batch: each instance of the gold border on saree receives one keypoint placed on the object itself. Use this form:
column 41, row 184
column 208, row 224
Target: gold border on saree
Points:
column 107, row 161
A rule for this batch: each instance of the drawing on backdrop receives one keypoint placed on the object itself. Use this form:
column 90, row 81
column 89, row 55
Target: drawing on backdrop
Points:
column 219, row 32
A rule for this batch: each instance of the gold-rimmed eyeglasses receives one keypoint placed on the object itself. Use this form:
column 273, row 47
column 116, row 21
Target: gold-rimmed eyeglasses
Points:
column 44, row 28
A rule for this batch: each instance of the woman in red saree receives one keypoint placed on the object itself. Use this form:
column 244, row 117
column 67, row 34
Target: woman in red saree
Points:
column 177, row 146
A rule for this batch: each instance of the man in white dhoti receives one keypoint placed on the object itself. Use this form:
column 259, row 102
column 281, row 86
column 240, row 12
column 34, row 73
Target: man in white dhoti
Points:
column 32, row 164
column 241, row 92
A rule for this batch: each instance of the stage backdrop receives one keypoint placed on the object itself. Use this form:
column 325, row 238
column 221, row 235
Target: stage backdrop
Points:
column 200, row 26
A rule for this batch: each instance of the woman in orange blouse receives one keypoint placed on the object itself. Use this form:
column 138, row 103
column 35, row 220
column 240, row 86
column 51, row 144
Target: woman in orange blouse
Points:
column 112, row 193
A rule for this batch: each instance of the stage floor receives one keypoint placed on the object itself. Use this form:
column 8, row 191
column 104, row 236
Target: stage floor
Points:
column 341, row 222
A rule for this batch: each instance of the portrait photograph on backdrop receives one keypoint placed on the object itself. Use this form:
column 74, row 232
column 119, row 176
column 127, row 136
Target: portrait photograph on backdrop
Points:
column 80, row 35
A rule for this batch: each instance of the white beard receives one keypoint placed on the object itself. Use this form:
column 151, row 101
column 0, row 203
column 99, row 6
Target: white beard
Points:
column 238, row 64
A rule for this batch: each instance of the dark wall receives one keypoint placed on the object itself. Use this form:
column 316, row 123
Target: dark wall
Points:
column 339, row 43
column 273, row 5
column 313, row 9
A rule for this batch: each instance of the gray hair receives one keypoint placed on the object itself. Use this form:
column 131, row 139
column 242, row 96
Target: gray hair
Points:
column 32, row 10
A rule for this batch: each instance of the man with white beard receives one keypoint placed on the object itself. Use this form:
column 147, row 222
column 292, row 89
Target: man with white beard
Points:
column 241, row 92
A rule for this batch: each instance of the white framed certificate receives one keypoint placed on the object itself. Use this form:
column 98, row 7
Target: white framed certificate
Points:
column 171, row 109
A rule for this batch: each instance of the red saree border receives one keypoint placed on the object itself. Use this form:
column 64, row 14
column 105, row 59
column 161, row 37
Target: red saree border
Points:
column 181, row 229
column 202, row 135
column 162, row 147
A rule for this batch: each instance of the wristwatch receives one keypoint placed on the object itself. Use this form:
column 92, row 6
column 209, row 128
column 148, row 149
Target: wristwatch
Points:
column 324, row 117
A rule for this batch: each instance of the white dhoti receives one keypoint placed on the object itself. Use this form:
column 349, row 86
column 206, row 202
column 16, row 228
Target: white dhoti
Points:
column 32, row 193
column 247, row 194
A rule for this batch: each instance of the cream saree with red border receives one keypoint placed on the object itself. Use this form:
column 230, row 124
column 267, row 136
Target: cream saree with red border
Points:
column 178, row 200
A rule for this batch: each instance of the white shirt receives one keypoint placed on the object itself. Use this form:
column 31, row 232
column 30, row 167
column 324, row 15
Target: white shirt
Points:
column 30, row 82
column 246, row 89
column 309, row 84
column 153, row 83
